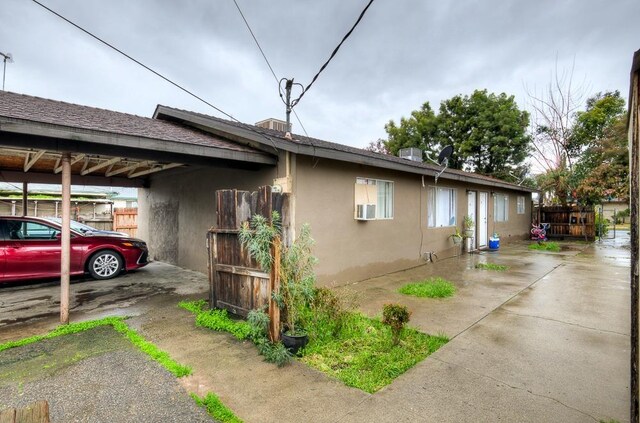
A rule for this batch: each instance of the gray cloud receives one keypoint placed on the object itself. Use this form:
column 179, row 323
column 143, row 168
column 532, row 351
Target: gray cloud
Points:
column 403, row 53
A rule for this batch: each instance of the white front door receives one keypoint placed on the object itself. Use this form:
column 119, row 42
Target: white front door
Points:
column 471, row 212
column 483, row 212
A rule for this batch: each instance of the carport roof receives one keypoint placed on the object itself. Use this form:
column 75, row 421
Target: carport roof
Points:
column 34, row 132
column 37, row 109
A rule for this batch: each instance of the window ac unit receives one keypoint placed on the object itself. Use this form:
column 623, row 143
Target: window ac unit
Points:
column 365, row 211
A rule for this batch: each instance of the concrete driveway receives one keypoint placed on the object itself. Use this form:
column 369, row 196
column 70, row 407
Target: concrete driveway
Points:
column 545, row 341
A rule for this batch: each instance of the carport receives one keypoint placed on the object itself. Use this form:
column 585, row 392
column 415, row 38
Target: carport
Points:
column 46, row 141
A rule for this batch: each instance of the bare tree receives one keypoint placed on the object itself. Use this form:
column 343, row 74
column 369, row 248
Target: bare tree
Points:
column 552, row 121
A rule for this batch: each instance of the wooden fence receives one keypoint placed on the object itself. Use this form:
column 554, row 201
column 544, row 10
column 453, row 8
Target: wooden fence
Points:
column 569, row 222
column 126, row 220
column 236, row 283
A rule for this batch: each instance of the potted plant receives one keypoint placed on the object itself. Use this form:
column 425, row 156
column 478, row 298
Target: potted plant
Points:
column 297, row 281
column 456, row 237
column 469, row 227
column 297, row 278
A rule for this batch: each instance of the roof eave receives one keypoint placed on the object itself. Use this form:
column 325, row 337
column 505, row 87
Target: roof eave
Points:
column 47, row 130
column 237, row 134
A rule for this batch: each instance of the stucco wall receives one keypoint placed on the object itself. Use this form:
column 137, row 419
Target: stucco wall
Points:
column 178, row 209
column 351, row 250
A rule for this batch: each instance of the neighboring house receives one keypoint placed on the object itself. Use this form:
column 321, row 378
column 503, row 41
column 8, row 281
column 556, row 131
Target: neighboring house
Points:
column 410, row 214
column 85, row 206
column 611, row 207
column 369, row 213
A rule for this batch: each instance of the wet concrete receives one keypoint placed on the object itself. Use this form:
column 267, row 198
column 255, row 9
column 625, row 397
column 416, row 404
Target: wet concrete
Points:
column 545, row 341
column 37, row 304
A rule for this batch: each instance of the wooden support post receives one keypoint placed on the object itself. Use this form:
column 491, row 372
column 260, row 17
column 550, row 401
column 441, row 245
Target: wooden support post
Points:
column 25, row 187
column 65, row 254
column 634, row 171
column 274, row 285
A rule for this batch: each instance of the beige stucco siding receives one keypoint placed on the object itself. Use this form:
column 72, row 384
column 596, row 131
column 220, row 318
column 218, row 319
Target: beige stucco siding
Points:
column 179, row 208
column 351, row 250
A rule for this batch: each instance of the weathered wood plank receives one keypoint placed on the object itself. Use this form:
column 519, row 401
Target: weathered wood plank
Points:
column 233, row 308
column 8, row 415
column 37, row 412
column 274, row 286
column 240, row 270
column 214, row 281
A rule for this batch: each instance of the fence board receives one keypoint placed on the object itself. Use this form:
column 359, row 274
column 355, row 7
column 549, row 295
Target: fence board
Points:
column 126, row 220
column 569, row 222
column 236, row 282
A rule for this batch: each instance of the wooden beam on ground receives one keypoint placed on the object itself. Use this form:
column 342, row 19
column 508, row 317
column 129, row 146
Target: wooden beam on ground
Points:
column 65, row 265
column 29, row 162
column 37, row 412
column 100, row 166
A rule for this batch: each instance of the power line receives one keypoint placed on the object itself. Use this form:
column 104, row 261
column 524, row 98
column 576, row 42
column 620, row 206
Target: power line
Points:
column 296, row 101
column 249, row 127
column 256, row 40
column 264, row 56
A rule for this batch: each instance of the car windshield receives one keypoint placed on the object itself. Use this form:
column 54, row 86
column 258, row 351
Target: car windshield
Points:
column 76, row 226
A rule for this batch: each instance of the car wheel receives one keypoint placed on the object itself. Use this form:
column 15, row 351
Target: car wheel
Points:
column 105, row 265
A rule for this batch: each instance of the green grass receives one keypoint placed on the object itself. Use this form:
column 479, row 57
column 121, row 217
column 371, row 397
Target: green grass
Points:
column 545, row 246
column 435, row 287
column 492, row 266
column 362, row 354
column 217, row 320
column 120, row 326
column 216, row 408
column 357, row 350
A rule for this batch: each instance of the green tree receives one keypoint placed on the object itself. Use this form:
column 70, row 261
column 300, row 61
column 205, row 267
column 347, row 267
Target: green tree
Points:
column 603, row 170
column 418, row 130
column 487, row 131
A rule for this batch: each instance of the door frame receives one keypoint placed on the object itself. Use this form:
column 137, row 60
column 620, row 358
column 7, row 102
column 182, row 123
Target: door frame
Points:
column 482, row 228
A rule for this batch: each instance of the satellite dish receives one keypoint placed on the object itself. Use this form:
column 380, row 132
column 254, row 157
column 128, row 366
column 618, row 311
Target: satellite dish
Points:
column 443, row 159
column 445, row 154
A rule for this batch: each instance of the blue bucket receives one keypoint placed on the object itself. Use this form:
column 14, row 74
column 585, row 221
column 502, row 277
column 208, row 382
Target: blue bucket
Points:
column 494, row 243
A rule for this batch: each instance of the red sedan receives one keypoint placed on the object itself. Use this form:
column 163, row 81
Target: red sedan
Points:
column 30, row 249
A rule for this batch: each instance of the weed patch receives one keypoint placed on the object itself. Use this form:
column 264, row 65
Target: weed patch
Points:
column 492, row 266
column 363, row 355
column 216, row 408
column 545, row 246
column 435, row 287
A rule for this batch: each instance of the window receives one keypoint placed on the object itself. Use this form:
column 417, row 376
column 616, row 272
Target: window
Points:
column 500, row 208
column 375, row 192
column 30, row 230
column 520, row 205
column 441, row 207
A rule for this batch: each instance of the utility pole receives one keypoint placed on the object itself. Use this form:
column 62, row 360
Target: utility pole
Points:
column 287, row 90
column 6, row 58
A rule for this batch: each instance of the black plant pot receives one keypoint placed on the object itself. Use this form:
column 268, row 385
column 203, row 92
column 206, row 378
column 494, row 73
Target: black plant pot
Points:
column 294, row 342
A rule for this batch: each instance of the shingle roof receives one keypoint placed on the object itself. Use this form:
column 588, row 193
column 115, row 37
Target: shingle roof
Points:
column 327, row 145
column 36, row 109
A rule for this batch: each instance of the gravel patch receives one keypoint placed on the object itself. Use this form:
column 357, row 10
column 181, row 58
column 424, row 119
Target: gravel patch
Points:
column 118, row 385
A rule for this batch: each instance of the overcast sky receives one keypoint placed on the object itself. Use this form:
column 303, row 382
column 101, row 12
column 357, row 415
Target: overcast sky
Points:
column 403, row 53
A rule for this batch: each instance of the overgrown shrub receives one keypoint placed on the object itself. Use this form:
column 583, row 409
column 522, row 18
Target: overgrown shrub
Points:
column 396, row 316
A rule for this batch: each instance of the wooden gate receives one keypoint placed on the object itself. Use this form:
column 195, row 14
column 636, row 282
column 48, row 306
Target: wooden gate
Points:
column 126, row 220
column 236, row 283
column 569, row 222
